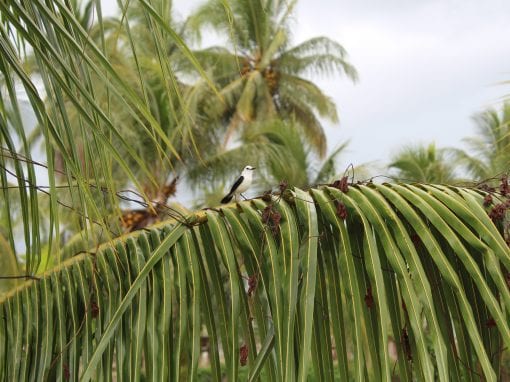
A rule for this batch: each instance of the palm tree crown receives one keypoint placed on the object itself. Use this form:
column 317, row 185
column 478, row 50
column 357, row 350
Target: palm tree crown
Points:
column 422, row 163
column 263, row 75
column 489, row 151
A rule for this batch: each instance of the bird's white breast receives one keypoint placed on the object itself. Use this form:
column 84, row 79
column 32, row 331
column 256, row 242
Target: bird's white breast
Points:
column 246, row 181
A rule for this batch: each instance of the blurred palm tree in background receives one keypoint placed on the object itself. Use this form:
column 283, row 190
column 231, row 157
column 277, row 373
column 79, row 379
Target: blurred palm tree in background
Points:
column 261, row 75
column 488, row 153
column 423, row 163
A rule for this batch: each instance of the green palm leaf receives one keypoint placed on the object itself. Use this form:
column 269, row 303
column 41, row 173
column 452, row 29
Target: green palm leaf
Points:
column 394, row 259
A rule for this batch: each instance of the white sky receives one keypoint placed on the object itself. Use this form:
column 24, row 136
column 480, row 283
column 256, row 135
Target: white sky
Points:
column 425, row 68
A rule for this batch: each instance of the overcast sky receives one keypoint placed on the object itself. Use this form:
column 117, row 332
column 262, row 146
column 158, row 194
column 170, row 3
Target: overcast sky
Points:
column 425, row 68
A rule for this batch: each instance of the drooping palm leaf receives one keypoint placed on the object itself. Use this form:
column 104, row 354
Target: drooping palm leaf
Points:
column 96, row 113
column 325, row 269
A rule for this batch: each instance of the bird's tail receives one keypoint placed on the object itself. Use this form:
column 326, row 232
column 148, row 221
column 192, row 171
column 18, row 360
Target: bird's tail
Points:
column 227, row 198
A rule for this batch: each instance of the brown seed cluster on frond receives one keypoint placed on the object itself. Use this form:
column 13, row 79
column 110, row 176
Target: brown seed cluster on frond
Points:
column 243, row 355
column 94, row 309
column 252, row 284
column 341, row 210
column 271, row 218
column 504, row 188
column 341, row 184
column 498, row 212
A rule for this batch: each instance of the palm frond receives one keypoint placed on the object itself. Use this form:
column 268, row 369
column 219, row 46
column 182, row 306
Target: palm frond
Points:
column 92, row 100
column 319, row 55
column 309, row 94
column 306, row 120
column 221, row 62
column 475, row 166
column 487, row 154
column 421, row 265
column 420, row 163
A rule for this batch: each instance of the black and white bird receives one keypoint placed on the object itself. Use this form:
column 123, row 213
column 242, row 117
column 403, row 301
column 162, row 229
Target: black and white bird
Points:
column 241, row 184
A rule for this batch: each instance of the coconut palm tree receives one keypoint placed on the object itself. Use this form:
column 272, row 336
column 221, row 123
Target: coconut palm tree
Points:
column 421, row 163
column 262, row 74
column 488, row 153
column 276, row 282
column 148, row 58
